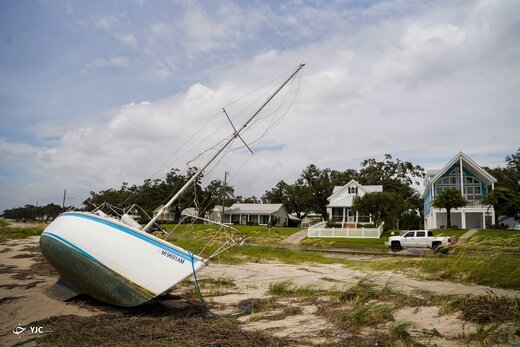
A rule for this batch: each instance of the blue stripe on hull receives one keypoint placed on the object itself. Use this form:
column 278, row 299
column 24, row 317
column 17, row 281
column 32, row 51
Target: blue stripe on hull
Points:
column 89, row 275
column 133, row 233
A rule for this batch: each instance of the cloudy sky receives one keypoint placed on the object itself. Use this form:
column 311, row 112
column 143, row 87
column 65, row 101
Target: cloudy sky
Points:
column 94, row 93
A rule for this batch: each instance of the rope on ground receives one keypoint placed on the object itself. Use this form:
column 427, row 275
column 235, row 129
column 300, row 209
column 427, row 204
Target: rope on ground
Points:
column 244, row 310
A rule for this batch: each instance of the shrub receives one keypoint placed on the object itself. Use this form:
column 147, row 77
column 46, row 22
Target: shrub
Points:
column 331, row 224
column 498, row 226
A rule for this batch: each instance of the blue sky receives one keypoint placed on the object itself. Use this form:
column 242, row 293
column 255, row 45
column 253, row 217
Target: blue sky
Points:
column 99, row 92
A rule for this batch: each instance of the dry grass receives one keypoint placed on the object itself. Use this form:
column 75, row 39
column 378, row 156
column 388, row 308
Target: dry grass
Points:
column 152, row 324
column 489, row 308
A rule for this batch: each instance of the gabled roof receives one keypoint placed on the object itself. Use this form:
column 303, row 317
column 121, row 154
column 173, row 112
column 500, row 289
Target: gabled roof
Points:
column 467, row 161
column 338, row 190
column 254, row 208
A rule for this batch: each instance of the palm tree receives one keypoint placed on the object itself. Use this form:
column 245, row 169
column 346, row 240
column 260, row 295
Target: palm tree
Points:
column 500, row 198
column 448, row 199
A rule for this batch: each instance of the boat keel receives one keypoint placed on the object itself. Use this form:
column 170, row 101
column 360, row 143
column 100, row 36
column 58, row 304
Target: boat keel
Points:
column 62, row 290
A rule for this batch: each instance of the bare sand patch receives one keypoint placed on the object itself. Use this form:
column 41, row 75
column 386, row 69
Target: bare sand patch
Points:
column 22, row 290
column 427, row 319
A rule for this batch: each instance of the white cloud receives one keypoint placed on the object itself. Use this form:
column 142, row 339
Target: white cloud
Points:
column 106, row 21
column 161, row 30
column 126, row 39
column 110, row 62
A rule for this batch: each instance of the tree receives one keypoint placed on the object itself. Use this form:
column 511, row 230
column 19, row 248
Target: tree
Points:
column 295, row 197
column 213, row 195
column 321, row 183
column 449, row 199
column 249, row 200
column 504, row 201
column 395, row 176
column 383, row 206
column 392, row 175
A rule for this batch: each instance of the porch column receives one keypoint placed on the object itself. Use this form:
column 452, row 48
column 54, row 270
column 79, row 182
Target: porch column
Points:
column 239, row 219
column 463, row 219
column 370, row 218
column 493, row 217
column 357, row 216
column 483, row 220
column 344, row 213
column 434, row 220
column 270, row 219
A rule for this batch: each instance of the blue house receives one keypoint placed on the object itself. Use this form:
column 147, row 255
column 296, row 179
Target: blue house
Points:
column 472, row 181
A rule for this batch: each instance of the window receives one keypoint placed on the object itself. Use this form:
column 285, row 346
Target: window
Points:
column 420, row 234
column 410, row 234
column 472, row 193
column 235, row 218
column 430, row 233
column 264, row 219
column 352, row 190
column 337, row 214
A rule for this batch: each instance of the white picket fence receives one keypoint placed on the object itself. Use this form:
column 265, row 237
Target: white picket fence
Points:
column 319, row 230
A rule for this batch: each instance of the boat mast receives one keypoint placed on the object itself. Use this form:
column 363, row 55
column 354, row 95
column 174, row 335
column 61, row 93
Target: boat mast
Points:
column 228, row 142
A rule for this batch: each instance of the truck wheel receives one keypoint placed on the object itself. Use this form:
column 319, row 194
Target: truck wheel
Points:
column 396, row 246
column 439, row 249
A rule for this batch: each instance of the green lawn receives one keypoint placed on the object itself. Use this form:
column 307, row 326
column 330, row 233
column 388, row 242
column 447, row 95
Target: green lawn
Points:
column 254, row 233
column 20, row 233
column 361, row 243
column 496, row 237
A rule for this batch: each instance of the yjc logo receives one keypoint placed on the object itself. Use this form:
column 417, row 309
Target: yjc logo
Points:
column 18, row 329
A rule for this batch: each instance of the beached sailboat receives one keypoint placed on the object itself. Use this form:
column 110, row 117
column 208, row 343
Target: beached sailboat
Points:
column 116, row 261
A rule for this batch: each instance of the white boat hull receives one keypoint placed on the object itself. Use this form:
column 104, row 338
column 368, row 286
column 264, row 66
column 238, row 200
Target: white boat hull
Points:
column 114, row 262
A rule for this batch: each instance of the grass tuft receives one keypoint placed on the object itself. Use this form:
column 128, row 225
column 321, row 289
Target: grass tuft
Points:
column 367, row 314
column 281, row 288
column 400, row 331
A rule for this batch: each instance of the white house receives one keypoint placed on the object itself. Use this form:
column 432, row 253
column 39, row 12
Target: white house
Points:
column 262, row 214
column 215, row 214
column 339, row 208
column 474, row 182
column 166, row 215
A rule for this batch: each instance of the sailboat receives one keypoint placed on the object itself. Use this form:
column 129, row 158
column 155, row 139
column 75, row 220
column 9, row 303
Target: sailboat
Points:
column 115, row 260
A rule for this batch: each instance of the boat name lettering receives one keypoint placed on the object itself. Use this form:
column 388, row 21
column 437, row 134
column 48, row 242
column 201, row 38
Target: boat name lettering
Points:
column 172, row 256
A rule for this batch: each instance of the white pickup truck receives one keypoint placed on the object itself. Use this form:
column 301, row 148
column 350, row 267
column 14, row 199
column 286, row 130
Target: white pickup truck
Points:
column 419, row 239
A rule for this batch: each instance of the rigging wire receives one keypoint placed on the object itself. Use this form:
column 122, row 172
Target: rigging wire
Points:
column 273, row 123
column 169, row 162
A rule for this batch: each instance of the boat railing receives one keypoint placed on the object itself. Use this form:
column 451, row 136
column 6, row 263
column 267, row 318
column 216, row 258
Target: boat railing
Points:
column 223, row 239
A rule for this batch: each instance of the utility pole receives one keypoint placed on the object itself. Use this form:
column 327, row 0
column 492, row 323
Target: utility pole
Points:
column 224, row 197
column 64, row 196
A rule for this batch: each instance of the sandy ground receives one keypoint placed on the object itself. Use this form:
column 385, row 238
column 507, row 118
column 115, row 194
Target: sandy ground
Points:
column 253, row 280
column 22, row 290
column 23, row 300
